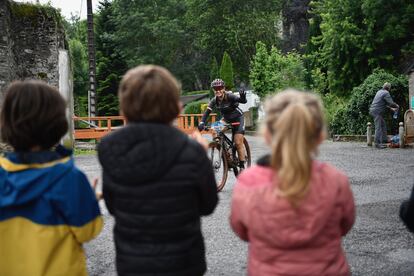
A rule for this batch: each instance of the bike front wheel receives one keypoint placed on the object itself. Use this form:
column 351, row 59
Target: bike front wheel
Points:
column 220, row 166
column 247, row 153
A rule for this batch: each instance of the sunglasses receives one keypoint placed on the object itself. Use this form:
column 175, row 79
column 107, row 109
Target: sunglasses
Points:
column 218, row 88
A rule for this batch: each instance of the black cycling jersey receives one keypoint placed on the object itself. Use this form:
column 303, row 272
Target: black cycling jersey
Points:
column 228, row 107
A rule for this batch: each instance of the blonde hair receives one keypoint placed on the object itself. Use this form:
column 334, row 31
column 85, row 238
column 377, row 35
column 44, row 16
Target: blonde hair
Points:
column 149, row 93
column 295, row 122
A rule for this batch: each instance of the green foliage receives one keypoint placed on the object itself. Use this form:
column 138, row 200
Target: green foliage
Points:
column 193, row 107
column 319, row 82
column 80, row 107
column 35, row 12
column 353, row 117
column 273, row 71
column 214, row 69
column 234, row 26
column 198, row 92
column 76, row 28
column 357, row 36
column 153, row 32
column 79, row 151
column 182, row 36
column 110, row 64
column 226, row 71
column 214, row 74
column 259, row 71
column 333, row 105
column 80, row 76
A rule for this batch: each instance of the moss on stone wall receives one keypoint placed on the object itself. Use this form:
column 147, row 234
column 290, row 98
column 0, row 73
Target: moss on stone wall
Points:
column 35, row 12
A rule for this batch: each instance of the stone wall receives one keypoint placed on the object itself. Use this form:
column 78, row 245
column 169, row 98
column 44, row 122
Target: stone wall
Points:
column 7, row 61
column 33, row 46
column 31, row 36
column 295, row 25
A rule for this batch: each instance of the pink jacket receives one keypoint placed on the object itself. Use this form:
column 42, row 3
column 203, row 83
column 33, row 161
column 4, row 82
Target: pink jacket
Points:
column 285, row 241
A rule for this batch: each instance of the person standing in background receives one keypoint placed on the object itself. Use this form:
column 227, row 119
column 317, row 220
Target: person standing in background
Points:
column 381, row 102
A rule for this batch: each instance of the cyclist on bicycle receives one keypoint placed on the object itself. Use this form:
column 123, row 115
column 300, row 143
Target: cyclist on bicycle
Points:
column 228, row 105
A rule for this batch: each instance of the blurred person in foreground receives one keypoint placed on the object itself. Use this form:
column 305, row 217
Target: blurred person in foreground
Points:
column 47, row 206
column 292, row 209
column 157, row 181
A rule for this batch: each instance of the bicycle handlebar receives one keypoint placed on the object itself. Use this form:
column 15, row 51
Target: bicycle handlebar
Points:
column 225, row 125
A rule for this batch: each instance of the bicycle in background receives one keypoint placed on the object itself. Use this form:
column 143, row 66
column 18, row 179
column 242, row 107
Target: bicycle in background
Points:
column 223, row 153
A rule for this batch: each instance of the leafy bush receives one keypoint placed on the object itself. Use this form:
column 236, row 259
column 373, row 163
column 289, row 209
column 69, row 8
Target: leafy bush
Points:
column 333, row 105
column 197, row 92
column 353, row 118
column 193, row 107
column 272, row 70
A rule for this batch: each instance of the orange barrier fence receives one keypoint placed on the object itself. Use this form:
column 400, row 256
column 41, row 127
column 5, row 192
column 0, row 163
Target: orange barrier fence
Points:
column 189, row 122
column 97, row 127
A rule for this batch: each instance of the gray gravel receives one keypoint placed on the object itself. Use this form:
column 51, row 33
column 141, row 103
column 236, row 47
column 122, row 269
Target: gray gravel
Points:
column 378, row 244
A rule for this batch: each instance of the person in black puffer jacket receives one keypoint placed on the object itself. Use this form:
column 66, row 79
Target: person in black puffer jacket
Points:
column 157, row 182
column 407, row 212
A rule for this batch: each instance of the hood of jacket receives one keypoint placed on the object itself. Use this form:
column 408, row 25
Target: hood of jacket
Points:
column 25, row 176
column 275, row 219
column 141, row 152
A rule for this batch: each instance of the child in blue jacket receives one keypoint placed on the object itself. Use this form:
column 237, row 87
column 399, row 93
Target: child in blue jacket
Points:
column 47, row 206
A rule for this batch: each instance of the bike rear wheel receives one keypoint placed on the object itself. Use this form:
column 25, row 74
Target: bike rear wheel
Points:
column 219, row 163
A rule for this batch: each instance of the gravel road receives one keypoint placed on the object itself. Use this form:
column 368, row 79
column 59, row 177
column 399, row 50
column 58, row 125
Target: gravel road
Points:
column 378, row 244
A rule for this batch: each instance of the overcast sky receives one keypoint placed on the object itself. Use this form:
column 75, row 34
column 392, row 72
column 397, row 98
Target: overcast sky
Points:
column 67, row 6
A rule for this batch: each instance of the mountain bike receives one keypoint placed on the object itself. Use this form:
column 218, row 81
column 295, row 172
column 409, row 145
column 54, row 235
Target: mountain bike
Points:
column 223, row 153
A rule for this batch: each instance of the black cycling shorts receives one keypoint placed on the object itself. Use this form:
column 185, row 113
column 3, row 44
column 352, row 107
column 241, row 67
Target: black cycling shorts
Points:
column 239, row 128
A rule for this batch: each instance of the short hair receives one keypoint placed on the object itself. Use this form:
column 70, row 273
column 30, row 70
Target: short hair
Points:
column 149, row 93
column 387, row 86
column 33, row 114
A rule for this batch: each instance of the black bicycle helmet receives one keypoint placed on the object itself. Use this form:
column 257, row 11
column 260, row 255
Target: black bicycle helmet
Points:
column 217, row 83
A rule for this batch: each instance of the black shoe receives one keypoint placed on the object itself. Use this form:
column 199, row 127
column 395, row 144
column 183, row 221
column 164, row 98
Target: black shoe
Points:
column 241, row 165
column 380, row 146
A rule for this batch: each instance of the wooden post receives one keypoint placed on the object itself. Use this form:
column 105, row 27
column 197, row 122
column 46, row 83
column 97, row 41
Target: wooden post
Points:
column 109, row 124
column 401, row 134
column 186, row 122
column 192, row 121
column 369, row 134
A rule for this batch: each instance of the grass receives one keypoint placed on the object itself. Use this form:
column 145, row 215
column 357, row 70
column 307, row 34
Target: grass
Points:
column 78, row 152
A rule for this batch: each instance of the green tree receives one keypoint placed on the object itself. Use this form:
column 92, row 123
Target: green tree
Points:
column 357, row 36
column 285, row 70
column 226, row 71
column 154, row 32
column 214, row 74
column 272, row 71
column 214, row 69
column 110, row 64
column 259, row 68
column 234, row 26
column 76, row 32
